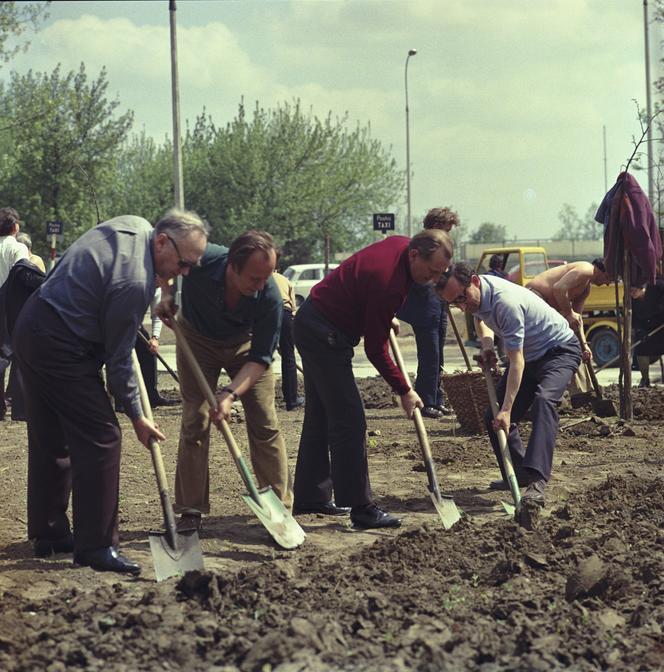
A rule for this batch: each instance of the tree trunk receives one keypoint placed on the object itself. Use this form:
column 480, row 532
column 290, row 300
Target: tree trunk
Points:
column 626, row 355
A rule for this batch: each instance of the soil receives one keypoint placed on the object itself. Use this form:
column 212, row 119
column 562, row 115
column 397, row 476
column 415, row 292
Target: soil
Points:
column 582, row 590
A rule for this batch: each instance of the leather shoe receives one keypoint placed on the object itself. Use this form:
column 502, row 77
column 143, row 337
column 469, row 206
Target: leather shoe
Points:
column 444, row 409
column 535, row 492
column 431, row 412
column 370, row 516
column 326, row 508
column 44, row 548
column 106, row 559
column 298, row 403
column 163, row 401
column 189, row 522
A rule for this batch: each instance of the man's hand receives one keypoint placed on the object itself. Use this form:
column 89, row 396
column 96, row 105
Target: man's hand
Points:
column 487, row 355
column 574, row 320
column 410, row 401
column 145, row 430
column 396, row 325
column 587, row 355
column 153, row 345
column 502, row 421
column 166, row 309
column 223, row 409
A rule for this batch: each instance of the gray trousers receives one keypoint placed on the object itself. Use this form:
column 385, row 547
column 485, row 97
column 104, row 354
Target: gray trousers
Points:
column 542, row 386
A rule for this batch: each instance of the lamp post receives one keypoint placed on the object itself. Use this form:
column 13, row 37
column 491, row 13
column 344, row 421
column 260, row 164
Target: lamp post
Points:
column 411, row 52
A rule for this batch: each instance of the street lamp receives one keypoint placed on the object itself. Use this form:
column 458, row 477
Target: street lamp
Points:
column 411, row 52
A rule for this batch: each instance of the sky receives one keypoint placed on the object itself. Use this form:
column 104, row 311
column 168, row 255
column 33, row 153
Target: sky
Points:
column 507, row 98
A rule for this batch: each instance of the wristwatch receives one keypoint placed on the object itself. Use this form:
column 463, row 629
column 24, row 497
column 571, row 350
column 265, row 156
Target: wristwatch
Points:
column 230, row 391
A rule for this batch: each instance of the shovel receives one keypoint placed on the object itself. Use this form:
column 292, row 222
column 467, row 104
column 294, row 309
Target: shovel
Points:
column 502, row 442
column 462, row 347
column 173, row 553
column 269, row 509
column 160, row 358
column 447, row 509
column 602, row 407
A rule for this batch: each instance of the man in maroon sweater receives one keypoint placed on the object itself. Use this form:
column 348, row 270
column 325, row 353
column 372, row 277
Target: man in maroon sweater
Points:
column 359, row 298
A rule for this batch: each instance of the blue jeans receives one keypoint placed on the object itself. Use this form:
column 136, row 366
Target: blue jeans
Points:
column 430, row 342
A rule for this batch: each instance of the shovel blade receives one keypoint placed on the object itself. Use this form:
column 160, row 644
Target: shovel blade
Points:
column 604, row 408
column 447, row 510
column 169, row 562
column 509, row 509
column 276, row 519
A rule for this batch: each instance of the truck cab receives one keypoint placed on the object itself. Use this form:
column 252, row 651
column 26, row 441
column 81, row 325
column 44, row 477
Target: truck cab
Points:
column 522, row 264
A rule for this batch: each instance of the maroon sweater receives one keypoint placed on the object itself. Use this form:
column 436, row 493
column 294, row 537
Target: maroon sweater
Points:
column 362, row 295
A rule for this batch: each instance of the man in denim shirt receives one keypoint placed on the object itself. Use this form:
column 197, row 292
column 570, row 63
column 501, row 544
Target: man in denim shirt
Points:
column 543, row 355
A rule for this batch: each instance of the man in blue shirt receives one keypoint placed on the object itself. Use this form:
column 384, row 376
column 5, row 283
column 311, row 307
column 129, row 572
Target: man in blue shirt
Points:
column 231, row 317
column 543, row 355
column 86, row 314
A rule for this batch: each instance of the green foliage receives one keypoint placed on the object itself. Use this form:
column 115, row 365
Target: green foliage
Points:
column 489, row 233
column 60, row 136
column 576, row 228
column 15, row 19
column 297, row 176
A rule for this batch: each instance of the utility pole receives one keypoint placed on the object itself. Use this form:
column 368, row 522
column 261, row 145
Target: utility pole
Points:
column 606, row 183
column 175, row 90
column 411, row 52
column 646, row 40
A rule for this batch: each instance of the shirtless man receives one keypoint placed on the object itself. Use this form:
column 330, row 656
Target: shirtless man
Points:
column 566, row 287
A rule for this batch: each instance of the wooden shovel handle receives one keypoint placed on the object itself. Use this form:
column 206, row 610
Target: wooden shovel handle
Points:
column 581, row 334
column 462, row 347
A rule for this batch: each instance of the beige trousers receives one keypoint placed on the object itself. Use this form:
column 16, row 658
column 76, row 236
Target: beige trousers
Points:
column 580, row 386
column 266, row 445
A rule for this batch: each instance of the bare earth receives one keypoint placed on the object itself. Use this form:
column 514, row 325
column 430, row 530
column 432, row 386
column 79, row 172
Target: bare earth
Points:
column 583, row 590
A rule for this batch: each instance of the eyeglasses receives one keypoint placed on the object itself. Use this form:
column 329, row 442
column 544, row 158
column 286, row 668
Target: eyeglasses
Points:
column 461, row 299
column 182, row 263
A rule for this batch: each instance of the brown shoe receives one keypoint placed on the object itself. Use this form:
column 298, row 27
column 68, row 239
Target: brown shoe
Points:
column 189, row 522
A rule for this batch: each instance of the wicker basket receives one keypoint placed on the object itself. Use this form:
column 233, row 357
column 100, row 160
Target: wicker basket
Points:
column 467, row 394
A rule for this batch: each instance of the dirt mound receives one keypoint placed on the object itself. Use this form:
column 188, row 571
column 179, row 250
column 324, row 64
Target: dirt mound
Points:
column 586, row 590
column 375, row 392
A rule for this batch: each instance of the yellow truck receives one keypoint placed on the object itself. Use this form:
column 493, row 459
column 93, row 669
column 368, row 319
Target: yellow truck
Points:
column 522, row 264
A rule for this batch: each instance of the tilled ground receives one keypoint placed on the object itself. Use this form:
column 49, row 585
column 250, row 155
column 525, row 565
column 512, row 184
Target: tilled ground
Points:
column 583, row 590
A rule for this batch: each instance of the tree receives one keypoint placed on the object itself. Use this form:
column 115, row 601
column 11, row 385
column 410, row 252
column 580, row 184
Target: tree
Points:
column 62, row 134
column 306, row 180
column 489, row 233
column 15, row 19
column 577, row 228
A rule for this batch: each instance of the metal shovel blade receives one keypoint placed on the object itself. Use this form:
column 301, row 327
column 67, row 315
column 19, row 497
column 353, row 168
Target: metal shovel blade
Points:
column 510, row 509
column 276, row 519
column 447, row 510
column 169, row 562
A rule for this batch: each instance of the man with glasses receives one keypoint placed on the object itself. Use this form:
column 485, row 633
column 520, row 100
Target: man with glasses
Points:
column 231, row 317
column 86, row 314
column 543, row 354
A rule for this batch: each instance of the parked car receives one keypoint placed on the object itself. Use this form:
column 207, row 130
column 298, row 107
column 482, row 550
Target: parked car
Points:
column 304, row 276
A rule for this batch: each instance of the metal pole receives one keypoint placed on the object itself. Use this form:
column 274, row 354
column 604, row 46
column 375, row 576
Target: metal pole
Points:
column 411, row 52
column 175, row 87
column 651, row 185
column 178, row 182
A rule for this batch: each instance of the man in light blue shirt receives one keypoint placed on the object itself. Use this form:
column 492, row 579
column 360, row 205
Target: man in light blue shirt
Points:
column 543, row 355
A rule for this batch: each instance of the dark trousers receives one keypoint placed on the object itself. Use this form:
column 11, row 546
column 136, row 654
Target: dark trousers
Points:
column 542, row 386
column 430, row 341
column 332, row 453
column 148, row 364
column 288, row 364
column 73, row 435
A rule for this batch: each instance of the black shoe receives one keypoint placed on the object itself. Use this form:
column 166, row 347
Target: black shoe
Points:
column 444, row 409
column 106, row 559
column 326, row 508
column 522, row 478
column 45, row 548
column 535, row 492
column 163, row 401
column 298, row 403
column 645, row 382
column 370, row 516
column 189, row 522
column 431, row 412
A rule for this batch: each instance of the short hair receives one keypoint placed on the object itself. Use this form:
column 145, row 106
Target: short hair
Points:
column 8, row 220
column 438, row 218
column 496, row 262
column 246, row 244
column 24, row 238
column 462, row 272
column 428, row 241
column 599, row 263
column 181, row 223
